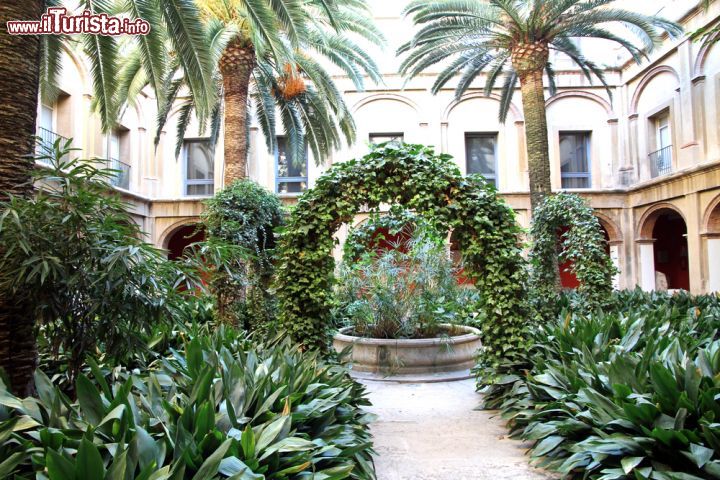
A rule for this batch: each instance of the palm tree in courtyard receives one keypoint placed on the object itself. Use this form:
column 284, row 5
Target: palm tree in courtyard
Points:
column 294, row 90
column 512, row 40
column 30, row 65
column 19, row 73
column 262, row 50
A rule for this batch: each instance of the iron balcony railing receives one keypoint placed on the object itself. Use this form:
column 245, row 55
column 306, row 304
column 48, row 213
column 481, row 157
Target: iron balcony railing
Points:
column 47, row 140
column 661, row 161
column 122, row 173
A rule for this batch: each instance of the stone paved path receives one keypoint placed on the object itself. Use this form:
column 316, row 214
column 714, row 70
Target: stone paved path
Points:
column 430, row 431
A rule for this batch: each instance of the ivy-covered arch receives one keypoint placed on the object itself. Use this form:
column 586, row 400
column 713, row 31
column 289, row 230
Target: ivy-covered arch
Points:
column 430, row 185
column 583, row 244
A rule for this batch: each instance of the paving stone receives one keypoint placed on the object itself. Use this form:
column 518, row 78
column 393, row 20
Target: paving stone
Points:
column 433, row 431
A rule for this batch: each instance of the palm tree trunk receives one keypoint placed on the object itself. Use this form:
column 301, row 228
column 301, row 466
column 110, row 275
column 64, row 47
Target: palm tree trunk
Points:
column 536, row 136
column 236, row 66
column 19, row 75
column 529, row 61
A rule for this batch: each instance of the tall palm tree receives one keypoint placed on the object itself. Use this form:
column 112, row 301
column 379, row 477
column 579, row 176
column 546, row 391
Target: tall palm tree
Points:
column 513, row 39
column 32, row 63
column 19, row 73
column 285, row 76
column 251, row 39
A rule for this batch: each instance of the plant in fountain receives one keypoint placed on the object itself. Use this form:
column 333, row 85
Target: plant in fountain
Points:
column 409, row 291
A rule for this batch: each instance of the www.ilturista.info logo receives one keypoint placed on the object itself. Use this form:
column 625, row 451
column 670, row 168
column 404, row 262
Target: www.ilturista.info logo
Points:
column 57, row 22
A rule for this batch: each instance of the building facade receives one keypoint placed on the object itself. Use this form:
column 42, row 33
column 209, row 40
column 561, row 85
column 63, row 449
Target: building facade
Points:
column 647, row 158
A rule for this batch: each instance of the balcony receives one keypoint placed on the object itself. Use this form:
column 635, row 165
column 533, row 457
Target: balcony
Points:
column 661, row 161
column 48, row 139
column 122, row 173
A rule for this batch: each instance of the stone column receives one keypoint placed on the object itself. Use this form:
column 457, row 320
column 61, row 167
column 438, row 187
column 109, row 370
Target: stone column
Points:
column 609, row 178
column 693, row 220
column 634, row 160
column 522, row 154
column 647, row 264
column 698, row 108
column 444, row 137
column 713, row 259
column 141, row 164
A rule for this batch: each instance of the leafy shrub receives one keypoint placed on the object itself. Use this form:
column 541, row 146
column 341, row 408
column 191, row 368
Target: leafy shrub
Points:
column 221, row 409
column 73, row 252
column 628, row 393
column 245, row 214
column 583, row 244
column 404, row 294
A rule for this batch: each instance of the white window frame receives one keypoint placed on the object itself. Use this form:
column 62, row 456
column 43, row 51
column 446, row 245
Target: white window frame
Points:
column 588, row 152
column 491, row 178
column 279, row 179
column 187, row 182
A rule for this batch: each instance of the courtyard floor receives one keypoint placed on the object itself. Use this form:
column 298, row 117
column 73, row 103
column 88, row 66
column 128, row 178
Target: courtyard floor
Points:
column 431, row 431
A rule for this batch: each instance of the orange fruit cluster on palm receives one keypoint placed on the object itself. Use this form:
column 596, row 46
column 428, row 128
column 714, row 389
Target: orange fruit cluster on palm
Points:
column 291, row 83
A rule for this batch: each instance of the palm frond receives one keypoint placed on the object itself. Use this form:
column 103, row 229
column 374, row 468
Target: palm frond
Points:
column 51, row 50
column 291, row 15
column 508, row 91
column 102, row 53
column 152, row 45
column 188, row 38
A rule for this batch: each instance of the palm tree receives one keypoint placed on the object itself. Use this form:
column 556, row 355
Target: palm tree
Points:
column 32, row 63
column 260, row 51
column 286, row 78
column 513, row 39
column 19, row 72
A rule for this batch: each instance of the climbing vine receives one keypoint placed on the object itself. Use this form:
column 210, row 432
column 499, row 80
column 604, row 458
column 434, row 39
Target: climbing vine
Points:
column 582, row 244
column 398, row 223
column 430, row 185
column 244, row 215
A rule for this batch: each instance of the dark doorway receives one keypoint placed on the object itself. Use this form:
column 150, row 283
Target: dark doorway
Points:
column 181, row 238
column 671, row 250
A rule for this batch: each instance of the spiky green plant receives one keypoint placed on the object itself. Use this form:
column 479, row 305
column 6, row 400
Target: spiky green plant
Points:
column 511, row 40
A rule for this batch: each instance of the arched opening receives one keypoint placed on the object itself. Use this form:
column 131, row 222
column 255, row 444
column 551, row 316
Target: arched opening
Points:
column 181, row 238
column 418, row 180
column 712, row 234
column 568, row 279
column 671, row 252
column 667, row 231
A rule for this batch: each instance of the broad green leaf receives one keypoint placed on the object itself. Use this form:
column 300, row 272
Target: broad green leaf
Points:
column 89, row 398
column 210, row 466
column 89, row 463
column 59, row 467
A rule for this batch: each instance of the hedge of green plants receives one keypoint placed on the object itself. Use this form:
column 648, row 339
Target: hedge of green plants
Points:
column 583, row 244
column 431, row 185
column 633, row 392
column 218, row 408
